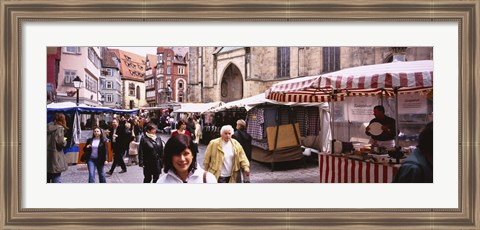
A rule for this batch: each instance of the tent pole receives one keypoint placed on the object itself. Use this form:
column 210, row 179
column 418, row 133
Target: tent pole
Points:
column 348, row 121
column 397, row 146
column 334, row 97
column 381, row 98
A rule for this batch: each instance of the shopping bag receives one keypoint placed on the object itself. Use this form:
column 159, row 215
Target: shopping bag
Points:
column 133, row 148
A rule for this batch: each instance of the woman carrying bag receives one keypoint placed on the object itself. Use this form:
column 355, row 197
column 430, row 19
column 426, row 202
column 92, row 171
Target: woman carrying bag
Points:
column 96, row 155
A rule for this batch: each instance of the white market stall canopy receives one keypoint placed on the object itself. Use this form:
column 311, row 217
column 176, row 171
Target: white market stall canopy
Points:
column 250, row 102
column 372, row 80
column 247, row 103
column 197, row 107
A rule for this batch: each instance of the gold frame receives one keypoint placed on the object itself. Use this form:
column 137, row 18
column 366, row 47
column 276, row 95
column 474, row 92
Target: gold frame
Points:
column 14, row 12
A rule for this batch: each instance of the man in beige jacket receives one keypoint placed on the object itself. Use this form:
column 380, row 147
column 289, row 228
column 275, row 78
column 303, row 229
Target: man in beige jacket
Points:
column 225, row 157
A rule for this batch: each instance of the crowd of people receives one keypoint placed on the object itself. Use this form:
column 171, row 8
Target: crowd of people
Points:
column 227, row 158
column 172, row 162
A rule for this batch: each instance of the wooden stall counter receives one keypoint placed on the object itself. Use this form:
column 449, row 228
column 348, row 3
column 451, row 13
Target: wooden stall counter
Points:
column 109, row 148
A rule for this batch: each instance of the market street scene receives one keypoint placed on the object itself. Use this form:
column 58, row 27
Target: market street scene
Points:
column 239, row 115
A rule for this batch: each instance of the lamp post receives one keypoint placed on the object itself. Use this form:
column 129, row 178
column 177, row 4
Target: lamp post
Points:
column 77, row 82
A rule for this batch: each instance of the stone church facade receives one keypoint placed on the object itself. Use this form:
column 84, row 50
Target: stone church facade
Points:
column 232, row 73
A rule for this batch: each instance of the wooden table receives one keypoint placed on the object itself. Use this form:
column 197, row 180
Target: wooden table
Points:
column 336, row 169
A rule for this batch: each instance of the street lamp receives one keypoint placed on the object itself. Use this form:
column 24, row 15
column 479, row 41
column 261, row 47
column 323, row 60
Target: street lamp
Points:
column 77, row 82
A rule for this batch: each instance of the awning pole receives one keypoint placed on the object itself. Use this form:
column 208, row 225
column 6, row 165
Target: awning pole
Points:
column 397, row 146
column 334, row 97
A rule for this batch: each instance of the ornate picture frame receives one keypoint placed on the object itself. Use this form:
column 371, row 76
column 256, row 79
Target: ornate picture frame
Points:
column 14, row 13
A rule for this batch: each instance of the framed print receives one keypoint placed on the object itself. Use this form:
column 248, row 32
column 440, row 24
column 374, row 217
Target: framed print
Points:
column 450, row 26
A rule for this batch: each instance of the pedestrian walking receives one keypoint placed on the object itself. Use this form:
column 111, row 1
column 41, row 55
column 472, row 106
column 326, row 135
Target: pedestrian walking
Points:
column 191, row 127
column 137, row 129
column 198, row 131
column 97, row 155
column 171, row 120
column 56, row 161
column 224, row 157
column 180, row 160
column 129, row 137
column 244, row 138
column 117, row 137
column 181, row 128
column 150, row 153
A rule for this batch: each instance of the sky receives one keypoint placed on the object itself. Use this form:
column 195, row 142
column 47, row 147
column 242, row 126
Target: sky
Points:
column 142, row 51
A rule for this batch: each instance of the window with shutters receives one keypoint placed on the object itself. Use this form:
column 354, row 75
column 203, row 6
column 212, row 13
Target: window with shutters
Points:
column 69, row 76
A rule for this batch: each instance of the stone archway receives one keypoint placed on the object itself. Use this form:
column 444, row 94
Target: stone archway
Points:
column 231, row 88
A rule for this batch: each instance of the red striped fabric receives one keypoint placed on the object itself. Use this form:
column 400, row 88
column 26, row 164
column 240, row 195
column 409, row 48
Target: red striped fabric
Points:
column 327, row 169
column 343, row 170
column 418, row 79
column 409, row 76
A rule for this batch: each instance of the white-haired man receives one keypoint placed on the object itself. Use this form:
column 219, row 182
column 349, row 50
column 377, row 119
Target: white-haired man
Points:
column 225, row 157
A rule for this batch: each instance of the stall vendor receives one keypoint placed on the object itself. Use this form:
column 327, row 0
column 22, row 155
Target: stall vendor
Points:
column 386, row 136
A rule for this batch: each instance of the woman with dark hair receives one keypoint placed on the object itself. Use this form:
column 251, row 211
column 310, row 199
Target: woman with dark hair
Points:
column 181, row 128
column 180, row 162
column 150, row 153
column 97, row 155
column 56, row 161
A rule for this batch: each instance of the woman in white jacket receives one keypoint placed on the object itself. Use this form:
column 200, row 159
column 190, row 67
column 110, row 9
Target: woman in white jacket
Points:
column 180, row 162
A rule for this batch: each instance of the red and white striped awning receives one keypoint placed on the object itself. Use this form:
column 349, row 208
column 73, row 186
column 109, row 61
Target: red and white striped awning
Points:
column 357, row 81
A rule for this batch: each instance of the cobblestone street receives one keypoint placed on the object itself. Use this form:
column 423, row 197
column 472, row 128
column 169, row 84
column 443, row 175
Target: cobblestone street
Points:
column 304, row 171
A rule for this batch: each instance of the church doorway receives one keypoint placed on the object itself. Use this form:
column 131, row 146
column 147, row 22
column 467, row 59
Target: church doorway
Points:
column 231, row 88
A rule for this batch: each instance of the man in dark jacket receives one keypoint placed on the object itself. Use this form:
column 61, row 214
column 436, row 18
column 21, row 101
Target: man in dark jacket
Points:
column 244, row 138
column 387, row 136
column 117, row 137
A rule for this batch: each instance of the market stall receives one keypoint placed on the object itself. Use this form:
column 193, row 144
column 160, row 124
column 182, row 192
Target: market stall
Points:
column 160, row 115
column 278, row 129
column 381, row 80
column 209, row 129
column 76, row 138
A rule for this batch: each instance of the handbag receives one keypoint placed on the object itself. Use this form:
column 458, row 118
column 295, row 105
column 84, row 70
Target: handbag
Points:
column 86, row 154
column 85, row 157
